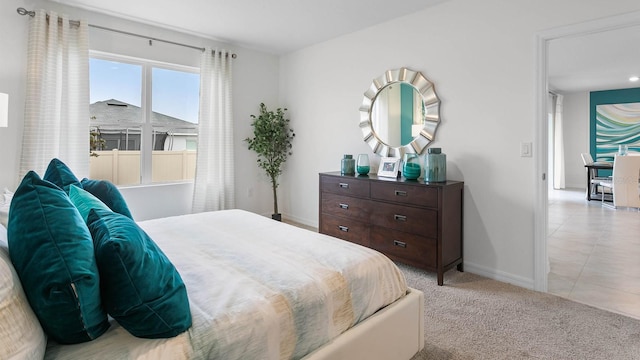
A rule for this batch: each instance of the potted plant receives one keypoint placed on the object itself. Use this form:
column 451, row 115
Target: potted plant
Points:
column 95, row 141
column 272, row 141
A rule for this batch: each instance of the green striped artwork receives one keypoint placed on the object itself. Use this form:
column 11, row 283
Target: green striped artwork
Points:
column 616, row 124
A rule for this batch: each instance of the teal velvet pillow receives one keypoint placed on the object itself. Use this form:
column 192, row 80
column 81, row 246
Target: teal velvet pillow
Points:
column 109, row 194
column 141, row 288
column 60, row 174
column 52, row 252
column 84, row 201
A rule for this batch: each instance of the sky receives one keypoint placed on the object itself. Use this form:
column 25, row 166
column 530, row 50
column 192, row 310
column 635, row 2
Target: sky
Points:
column 174, row 93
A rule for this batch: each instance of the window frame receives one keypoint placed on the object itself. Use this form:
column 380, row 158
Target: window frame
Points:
column 146, row 106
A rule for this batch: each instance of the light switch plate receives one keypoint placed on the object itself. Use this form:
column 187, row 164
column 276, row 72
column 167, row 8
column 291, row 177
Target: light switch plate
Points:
column 526, row 149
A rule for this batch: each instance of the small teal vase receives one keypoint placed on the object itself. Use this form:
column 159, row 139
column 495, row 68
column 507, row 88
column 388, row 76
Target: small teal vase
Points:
column 362, row 166
column 411, row 166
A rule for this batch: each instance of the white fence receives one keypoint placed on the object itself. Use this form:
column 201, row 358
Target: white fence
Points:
column 122, row 167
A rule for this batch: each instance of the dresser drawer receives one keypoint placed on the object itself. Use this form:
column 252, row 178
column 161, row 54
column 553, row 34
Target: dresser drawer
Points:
column 403, row 246
column 406, row 194
column 346, row 229
column 345, row 206
column 344, row 186
column 423, row 222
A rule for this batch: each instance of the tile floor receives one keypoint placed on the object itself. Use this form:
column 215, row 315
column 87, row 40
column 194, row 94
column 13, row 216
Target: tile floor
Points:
column 594, row 253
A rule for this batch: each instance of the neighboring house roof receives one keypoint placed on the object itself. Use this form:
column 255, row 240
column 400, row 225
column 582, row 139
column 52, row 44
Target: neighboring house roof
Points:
column 116, row 116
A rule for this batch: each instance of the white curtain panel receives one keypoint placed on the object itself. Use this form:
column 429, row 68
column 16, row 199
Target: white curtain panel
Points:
column 56, row 123
column 558, row 146
column 214, row 187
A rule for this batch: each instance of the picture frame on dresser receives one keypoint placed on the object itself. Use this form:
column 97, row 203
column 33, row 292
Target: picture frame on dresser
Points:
column 389, row 167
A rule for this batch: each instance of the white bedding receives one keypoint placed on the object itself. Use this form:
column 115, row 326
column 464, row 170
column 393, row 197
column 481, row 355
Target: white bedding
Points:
column 258, row 289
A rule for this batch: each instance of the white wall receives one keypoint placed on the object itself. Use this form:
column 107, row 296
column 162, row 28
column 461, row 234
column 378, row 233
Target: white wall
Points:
column 160, row 200
column 255, row 81
column 576, row 131
column 482, row 58
column 13, row 47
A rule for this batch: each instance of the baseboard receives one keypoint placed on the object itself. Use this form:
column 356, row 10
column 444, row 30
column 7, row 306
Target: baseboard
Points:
column 498, row 275
column 298, row 220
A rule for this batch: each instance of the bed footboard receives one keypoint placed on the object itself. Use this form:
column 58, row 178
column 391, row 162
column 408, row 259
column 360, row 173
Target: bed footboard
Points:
column 395, row 332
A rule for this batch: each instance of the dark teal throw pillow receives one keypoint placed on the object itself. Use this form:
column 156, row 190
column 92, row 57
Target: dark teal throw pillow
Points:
column 60, row 174
column 141, row 289
column 84, row 201
column 52, row 252
column 109, row 194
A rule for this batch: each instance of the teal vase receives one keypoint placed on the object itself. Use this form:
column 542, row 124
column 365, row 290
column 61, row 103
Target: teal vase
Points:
column 435, row 166
column 362, row 167
column 411, row 166
column 348, row 165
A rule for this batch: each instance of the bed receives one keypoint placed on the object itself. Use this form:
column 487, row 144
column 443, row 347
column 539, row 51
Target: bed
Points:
column 261, row 289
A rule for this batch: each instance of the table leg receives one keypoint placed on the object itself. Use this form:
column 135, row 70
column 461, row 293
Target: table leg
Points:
column 588, row 184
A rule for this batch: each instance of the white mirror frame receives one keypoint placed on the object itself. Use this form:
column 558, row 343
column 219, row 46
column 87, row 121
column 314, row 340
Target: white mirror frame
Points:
column 431, row 118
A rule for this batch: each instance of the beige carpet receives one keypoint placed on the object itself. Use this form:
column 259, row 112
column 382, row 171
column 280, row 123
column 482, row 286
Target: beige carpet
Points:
column 472, row 317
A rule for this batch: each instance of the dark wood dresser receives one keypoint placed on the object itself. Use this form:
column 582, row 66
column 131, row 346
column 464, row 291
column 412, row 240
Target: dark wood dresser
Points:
column 416, row 223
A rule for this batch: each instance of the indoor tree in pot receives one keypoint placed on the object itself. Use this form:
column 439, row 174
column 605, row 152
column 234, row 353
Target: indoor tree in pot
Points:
column 271, row 140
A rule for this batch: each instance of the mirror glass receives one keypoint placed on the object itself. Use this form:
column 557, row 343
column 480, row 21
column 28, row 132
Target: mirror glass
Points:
column 399, row 113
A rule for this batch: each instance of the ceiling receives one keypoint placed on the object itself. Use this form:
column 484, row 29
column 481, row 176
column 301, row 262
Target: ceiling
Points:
column 598, row 61
column 274, row 26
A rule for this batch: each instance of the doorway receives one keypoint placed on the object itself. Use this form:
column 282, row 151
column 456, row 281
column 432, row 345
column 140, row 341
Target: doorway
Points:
column 541, row 259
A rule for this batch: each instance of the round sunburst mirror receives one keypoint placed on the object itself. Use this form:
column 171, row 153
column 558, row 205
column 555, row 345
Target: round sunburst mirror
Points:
column 400, row 113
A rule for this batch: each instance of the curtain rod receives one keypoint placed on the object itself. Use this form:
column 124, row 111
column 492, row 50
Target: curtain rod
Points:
column 23, row 11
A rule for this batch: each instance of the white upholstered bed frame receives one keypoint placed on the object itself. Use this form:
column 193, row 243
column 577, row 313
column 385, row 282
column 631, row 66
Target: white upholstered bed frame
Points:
column 394, row 332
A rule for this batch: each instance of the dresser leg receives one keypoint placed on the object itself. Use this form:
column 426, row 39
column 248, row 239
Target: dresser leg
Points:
column 460, row 267
column 440, row 278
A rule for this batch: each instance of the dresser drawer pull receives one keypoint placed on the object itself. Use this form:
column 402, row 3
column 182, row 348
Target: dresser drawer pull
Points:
column 344, row 206
column 401, row 193
column 343, row 228
column 344, row 185
column 400, row 243
column 400, row 217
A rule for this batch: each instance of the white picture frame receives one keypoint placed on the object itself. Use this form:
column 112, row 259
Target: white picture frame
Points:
column 389, row 167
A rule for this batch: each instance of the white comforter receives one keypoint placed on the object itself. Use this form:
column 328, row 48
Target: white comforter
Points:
column 258, row 289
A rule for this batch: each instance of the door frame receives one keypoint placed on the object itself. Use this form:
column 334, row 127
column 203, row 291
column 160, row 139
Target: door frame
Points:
column 541, row 217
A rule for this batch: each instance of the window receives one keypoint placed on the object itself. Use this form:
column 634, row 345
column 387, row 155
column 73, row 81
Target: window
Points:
column 144, row 120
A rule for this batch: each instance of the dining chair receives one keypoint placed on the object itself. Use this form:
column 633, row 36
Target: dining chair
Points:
column 595, row 179
column 586, row 158
column 624, row 182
